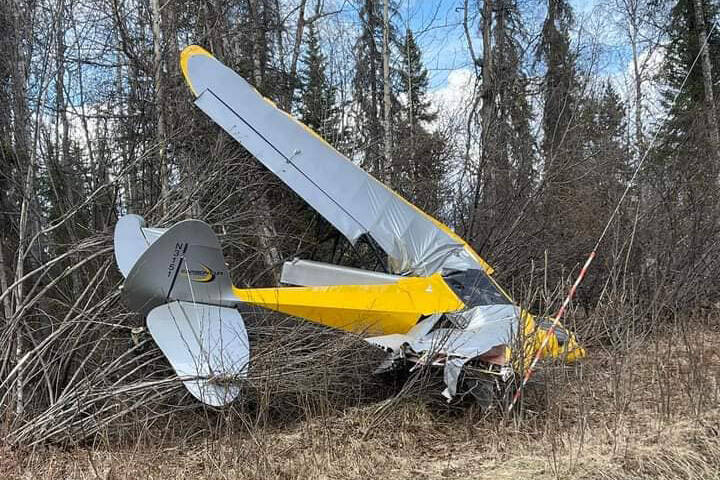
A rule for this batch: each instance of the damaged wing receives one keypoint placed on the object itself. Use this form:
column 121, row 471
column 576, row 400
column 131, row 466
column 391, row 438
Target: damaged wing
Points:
column 347, row 196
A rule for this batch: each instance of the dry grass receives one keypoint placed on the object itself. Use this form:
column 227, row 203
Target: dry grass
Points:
column 645, row 412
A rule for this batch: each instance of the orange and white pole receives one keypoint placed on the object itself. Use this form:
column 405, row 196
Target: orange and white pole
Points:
column 551, row 330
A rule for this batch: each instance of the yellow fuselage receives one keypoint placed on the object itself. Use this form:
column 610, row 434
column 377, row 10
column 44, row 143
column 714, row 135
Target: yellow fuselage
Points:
column 387, row 309
column 370, row 309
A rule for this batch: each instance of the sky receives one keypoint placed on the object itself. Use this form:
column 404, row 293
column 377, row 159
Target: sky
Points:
column 438, row 28
column 605, row 49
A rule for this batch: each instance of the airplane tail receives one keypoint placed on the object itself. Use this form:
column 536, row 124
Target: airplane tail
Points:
column 178, row 278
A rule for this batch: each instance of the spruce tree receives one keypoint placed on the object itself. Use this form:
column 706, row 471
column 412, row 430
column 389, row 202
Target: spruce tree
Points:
column 565, row 167
column 559, row 84
column 503, row 175
column 368, row 83
column 507, row 138
column 600, row 175
column 413, row 82
column 683, row 134
column 317, row 95
column 605, row 152
column 419, row 158
column 511, row 132
column 683, row 172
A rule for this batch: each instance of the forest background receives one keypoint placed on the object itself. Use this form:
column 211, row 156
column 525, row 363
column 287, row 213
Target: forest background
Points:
column 518, row 123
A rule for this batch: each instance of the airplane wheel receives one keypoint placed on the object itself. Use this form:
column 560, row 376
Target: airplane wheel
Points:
column 480, row 384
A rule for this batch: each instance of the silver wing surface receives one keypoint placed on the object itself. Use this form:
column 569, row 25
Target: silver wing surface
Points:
column 347, row 196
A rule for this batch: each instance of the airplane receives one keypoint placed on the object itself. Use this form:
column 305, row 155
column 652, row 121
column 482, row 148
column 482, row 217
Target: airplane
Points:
column 439, row 305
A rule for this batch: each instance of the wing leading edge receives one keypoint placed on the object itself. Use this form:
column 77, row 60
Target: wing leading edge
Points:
column 347, row 196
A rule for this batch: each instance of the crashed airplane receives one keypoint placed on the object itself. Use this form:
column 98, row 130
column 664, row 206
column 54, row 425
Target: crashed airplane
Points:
column 440, row 306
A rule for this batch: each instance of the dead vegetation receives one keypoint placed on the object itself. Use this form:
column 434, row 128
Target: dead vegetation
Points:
column 648, row 412
column 100, row 401
column 643, row 405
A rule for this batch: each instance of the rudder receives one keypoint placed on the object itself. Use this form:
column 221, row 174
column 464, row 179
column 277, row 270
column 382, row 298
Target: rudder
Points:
column 183, row 263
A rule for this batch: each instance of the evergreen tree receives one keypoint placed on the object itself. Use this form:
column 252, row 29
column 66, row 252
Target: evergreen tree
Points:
column 567, row 122
column 559, row 84
column 513, row 110
column 683, row 173
column 503, row 177
column 683, row 134
column 600, row 175
column 317, row 95
column 413, row 83
column 605, row 148
column 368, row 83
column 420, row 157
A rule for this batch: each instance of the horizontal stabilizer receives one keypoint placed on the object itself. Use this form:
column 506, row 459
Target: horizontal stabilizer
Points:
column 207, row 347
column 307, row 273
column 132, row 238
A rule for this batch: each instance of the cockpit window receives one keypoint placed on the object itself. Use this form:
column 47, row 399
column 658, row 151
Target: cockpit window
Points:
column 474, row 288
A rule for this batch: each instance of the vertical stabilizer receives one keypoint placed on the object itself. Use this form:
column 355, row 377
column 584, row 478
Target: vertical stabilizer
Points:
column 184, row 262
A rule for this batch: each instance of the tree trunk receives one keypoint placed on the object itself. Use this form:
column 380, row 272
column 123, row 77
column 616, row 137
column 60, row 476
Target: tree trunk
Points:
column 500, row 78
column 372, row 70
column 411, row 106
column 639, row 137
column 267, row 234
column 714, row 133
column 25, row 155
column 487, row 93
column 287, row 104
column 160, row 103
column 7, row 307
column 258, row 44
column 387, row 147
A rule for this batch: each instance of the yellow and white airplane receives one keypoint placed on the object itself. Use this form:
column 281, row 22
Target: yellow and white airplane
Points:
column 439, row 306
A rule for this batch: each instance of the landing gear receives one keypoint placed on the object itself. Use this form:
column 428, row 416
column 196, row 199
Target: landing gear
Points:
column 486, row 385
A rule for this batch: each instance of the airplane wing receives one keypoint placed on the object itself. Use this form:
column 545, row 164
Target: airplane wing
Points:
column 347, row 196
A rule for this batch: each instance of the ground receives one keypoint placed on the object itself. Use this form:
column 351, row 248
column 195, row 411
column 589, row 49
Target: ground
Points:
column 651, row 412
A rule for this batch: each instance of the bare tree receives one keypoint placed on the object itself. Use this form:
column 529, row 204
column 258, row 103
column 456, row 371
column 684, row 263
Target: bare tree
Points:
column 387, row 101
column 159, row 75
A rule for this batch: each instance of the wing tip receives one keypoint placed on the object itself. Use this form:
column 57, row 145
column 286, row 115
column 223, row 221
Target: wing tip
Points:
column 187, row 53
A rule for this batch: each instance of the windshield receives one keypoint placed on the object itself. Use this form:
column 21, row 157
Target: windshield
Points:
column 475, row 288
